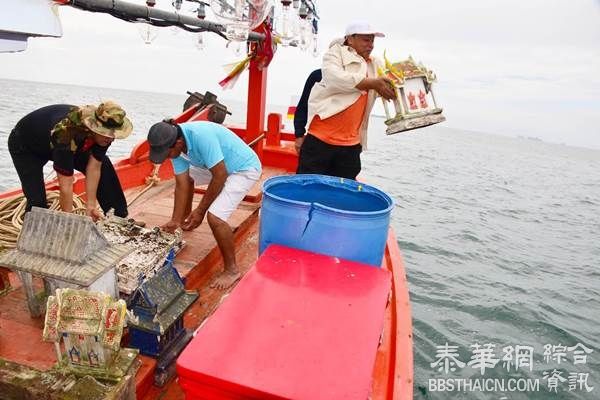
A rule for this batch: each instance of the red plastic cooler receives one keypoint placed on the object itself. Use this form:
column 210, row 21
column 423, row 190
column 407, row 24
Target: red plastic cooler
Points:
column 298, row 326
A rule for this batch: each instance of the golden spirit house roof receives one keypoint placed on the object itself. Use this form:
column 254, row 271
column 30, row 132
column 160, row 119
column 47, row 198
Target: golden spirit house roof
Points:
column 411, row 69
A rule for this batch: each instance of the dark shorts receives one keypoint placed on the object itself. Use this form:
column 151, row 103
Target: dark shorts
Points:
column 318, row 157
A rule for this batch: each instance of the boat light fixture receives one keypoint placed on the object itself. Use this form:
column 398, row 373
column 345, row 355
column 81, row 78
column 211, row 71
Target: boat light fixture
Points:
column 294, row 22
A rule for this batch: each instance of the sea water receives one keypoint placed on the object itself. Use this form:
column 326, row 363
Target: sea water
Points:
column 500, row 237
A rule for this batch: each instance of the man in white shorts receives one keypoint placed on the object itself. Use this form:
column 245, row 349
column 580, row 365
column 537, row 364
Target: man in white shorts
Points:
column 204, row 152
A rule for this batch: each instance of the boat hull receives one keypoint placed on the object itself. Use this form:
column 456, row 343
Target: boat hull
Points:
column 198, row 264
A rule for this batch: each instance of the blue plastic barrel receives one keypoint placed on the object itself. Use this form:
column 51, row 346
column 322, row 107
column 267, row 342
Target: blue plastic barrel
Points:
column 327, row 215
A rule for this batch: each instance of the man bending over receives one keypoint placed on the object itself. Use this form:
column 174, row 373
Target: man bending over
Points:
column 204, row 152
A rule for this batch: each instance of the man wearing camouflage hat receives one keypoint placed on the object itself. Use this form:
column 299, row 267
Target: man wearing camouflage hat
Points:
column 74, row 138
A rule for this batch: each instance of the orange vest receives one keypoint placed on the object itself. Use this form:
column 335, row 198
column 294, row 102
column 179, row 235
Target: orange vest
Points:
column 343, row 128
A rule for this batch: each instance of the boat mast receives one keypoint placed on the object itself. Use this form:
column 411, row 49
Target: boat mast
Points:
column 257, row 94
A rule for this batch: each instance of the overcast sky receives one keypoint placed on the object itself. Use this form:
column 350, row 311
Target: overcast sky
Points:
column 514, row 67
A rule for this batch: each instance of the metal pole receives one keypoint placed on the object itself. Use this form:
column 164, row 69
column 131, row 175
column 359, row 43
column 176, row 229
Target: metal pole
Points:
column 119, row 8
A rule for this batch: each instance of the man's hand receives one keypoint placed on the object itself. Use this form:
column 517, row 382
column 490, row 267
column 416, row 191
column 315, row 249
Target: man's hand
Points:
column 382, row 85
column 193, row 220
column 298, row 144
column 170, row 226
column 94, row 213
column 385, row 87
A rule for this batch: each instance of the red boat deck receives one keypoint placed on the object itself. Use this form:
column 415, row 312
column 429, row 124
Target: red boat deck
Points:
column 199, row 262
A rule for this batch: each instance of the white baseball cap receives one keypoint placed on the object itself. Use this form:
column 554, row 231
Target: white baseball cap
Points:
column 361, row 28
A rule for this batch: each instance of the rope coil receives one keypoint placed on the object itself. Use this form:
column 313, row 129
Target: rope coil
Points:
column 12, row 210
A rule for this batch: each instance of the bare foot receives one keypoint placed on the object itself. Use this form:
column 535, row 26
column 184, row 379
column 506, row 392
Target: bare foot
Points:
column 225, row 280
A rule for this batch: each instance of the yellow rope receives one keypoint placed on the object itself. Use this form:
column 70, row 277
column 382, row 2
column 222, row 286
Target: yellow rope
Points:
column 12, row 210
column 151, row 180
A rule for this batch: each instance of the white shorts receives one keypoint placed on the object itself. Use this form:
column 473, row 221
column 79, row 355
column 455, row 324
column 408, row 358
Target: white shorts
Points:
column 236, row 187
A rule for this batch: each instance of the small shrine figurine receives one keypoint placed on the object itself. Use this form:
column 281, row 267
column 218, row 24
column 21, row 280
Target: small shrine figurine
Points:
column 156, row 328
column 67, row 251
column 86, row 328
column 415, row 105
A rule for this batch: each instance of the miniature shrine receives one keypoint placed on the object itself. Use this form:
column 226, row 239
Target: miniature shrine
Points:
column 21, row 382
column 86, row 328
column 65, row 250
column 149, row 249
column 156, row 329
column 415, row 105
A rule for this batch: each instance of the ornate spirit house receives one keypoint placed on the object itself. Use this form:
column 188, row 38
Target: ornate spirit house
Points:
column 86, row 328
column 415, row 106
column 65, row 250
column 158, row 305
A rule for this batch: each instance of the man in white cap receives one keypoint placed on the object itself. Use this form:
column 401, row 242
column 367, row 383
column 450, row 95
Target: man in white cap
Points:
column 339, row 105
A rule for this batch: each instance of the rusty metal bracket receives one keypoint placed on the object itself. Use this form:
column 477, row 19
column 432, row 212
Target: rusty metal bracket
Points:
column 218, row 111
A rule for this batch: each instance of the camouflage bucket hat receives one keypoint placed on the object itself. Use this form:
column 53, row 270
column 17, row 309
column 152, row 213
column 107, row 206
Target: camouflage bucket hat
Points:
column 109, row 120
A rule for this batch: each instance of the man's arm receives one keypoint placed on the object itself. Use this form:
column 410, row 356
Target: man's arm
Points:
column 216, row 184
column 301, row 114
column 65, row 187
column 63, row 166
column 183, row 186
column 335, row 75
column 92, row 177
column 381, row 85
